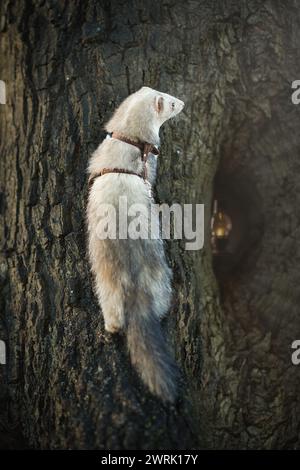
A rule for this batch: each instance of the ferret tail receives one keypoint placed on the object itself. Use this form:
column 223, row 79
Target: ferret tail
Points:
column 149, row 354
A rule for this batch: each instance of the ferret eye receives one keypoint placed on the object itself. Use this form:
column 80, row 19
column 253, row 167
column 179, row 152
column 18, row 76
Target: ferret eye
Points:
column 173, row 105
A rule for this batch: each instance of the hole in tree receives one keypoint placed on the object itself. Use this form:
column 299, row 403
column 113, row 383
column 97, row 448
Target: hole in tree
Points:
column 237, row 198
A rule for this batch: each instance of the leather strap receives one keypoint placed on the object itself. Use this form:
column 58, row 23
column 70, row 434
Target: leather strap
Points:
column 145, row 148
column 114, row 170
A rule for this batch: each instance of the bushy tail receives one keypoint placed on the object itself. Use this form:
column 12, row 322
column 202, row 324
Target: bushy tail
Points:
column 149, row 353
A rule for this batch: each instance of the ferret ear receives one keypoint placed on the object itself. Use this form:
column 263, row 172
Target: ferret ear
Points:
column 159, row 103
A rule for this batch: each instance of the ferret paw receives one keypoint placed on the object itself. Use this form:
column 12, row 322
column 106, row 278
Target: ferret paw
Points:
column 112, row 328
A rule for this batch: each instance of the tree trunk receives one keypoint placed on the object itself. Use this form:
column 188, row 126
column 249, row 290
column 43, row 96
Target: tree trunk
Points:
column 66, row 66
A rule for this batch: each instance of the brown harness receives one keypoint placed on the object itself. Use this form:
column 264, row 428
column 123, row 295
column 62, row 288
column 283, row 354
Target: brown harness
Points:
column 145, row 149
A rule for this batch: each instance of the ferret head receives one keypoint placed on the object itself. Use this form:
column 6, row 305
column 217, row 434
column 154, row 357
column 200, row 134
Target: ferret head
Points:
column 140, row 115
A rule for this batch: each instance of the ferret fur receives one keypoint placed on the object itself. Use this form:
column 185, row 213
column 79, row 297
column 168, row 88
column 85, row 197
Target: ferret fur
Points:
column 132, row 277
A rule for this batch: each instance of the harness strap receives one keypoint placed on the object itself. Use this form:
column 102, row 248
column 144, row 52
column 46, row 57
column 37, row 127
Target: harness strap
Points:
column 145, row 148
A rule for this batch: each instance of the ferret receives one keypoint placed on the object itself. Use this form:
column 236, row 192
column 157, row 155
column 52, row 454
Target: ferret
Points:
column 132, row 277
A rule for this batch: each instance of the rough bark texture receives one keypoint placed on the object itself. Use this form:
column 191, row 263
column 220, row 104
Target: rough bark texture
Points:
column 67, row 65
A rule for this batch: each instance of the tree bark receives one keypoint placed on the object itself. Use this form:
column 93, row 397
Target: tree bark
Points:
column 66, row 66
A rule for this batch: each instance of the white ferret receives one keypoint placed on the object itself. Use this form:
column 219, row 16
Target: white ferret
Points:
column 133, row 280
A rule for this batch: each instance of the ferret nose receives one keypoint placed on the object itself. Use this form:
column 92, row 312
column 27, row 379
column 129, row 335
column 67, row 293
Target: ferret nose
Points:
column 182, row 103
